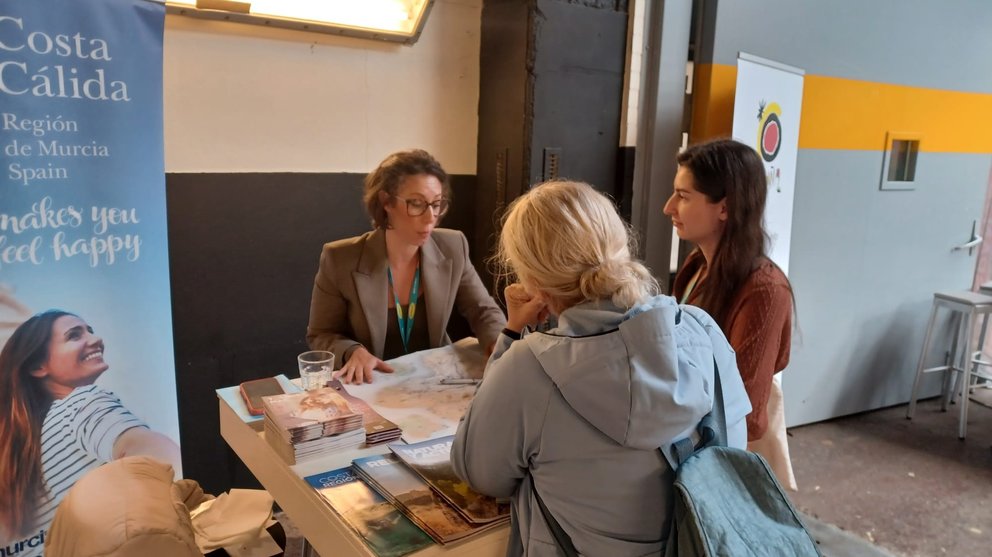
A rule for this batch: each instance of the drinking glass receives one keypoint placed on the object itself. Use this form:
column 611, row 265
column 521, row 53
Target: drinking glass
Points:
column 315, row 368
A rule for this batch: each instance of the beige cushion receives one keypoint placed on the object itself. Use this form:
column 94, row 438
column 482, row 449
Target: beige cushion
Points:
column 128, row 507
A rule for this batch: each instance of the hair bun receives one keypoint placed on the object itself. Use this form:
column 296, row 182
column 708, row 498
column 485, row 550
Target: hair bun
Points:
column 600, row 279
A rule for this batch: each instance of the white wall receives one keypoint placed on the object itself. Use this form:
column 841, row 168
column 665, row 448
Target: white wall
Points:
column 247, row 98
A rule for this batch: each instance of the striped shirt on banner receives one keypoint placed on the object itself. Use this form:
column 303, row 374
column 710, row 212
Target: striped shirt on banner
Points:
column 78, row 435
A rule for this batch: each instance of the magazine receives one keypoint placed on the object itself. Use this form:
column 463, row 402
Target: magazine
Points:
column 293, row 453
column 310, row 414
column 377, row 428
column 421, row 504
column 380, row 524
column 432, row 461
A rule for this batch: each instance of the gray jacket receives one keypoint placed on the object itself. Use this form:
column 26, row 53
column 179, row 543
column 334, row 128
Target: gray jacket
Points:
column 582, row 410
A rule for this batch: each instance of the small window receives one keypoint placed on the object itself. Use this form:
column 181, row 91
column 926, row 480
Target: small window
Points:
column 899, row 166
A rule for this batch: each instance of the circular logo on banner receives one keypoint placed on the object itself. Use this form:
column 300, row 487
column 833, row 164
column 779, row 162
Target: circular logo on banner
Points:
column 769, row 130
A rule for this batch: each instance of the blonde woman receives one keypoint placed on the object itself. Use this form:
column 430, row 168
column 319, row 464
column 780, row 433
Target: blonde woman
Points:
column 577, row 415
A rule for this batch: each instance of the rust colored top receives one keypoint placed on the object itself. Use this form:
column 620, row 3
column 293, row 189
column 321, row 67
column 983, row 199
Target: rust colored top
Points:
column 758, row 326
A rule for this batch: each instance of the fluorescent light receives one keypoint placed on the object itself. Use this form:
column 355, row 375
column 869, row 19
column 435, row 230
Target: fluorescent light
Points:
column 393, row 20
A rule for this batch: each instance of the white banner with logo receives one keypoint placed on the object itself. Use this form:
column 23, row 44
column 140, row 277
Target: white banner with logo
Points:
column 767, row 111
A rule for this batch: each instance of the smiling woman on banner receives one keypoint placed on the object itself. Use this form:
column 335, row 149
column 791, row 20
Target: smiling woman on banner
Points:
column 391, row 291
column 718, row 205
column 57, row 424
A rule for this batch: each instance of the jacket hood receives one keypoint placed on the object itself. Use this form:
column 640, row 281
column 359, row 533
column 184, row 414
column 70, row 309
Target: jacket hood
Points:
column 644, row 376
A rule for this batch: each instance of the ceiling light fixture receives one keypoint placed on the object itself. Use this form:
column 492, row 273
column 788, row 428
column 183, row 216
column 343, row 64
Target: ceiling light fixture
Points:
column 388, row 20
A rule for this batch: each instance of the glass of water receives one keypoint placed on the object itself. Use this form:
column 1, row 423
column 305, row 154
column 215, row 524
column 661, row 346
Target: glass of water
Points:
column 315, row 368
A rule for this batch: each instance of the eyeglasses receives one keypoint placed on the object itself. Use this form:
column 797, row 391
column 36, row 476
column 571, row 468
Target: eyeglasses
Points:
column 416, row 207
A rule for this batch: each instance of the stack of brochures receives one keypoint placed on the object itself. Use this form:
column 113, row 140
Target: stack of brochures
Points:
column 312, row 423
column 377, row 429
column 380, row 524
column 431, row 460
column 421, row 484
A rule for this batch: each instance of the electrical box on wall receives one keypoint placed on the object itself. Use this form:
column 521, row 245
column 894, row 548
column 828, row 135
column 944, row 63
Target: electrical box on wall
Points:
column 552, row 161
column 899, row 163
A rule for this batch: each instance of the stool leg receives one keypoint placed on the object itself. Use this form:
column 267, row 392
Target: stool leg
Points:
column 950, row 376
column 919, row 366
column 981, row 345
column 985, row 330
column 969, row 345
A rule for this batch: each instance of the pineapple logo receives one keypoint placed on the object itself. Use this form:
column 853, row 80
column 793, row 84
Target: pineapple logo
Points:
column 769, row 130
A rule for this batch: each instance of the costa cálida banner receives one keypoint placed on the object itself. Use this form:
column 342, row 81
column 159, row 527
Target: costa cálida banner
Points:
column 87, row 371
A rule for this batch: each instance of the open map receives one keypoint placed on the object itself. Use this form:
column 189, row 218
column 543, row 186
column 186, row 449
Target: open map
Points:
column 415, row 399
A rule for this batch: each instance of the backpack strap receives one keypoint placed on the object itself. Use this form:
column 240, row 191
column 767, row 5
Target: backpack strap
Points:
column 712, row 429
column 561, row 538
column 718, row 415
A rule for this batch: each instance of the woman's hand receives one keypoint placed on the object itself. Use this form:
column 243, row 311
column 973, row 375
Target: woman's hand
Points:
column 358, row 368
column 523, row 308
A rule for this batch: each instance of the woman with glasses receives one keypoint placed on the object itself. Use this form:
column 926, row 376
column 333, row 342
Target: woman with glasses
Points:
column 391, row 291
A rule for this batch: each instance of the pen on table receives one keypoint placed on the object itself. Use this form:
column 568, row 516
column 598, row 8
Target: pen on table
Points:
column 460, row 381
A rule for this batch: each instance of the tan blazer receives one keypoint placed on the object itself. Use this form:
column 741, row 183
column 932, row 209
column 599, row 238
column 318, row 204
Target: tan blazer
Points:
column 350, row 293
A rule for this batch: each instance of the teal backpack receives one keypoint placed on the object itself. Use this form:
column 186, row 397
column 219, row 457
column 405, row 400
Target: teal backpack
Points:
column 727, row 501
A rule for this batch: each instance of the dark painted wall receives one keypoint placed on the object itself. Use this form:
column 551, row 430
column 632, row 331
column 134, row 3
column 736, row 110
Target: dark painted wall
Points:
column 579, row 63
column 504, row 112
column 243, row 250
column 551, row 76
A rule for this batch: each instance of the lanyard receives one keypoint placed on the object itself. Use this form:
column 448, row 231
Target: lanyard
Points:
column 406, row 323
column 689, row 287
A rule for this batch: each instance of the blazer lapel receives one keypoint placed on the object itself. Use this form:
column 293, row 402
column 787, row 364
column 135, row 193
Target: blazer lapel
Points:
column 436, row 273
column 372, row 284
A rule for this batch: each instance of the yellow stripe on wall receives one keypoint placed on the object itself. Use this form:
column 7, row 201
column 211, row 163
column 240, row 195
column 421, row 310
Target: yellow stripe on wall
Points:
column 713, row 87
column 851, row 114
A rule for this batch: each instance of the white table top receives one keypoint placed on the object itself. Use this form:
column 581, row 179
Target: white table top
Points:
column 323, row 528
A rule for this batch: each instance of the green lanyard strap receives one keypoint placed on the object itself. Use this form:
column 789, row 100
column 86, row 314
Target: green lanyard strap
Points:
column 406, row 323
column 691, row 286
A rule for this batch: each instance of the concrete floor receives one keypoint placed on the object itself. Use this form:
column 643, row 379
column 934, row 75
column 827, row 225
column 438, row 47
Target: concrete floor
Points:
column 910, row 487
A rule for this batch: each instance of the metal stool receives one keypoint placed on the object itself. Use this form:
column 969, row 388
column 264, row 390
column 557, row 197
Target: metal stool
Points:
column 966, row 307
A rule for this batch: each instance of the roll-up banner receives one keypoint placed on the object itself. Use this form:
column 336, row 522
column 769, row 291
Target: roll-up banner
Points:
column 767, row 110
column 82, row 230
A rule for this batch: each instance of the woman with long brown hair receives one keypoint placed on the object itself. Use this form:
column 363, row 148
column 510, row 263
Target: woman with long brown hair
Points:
column 718, row 205
column 57, row 424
